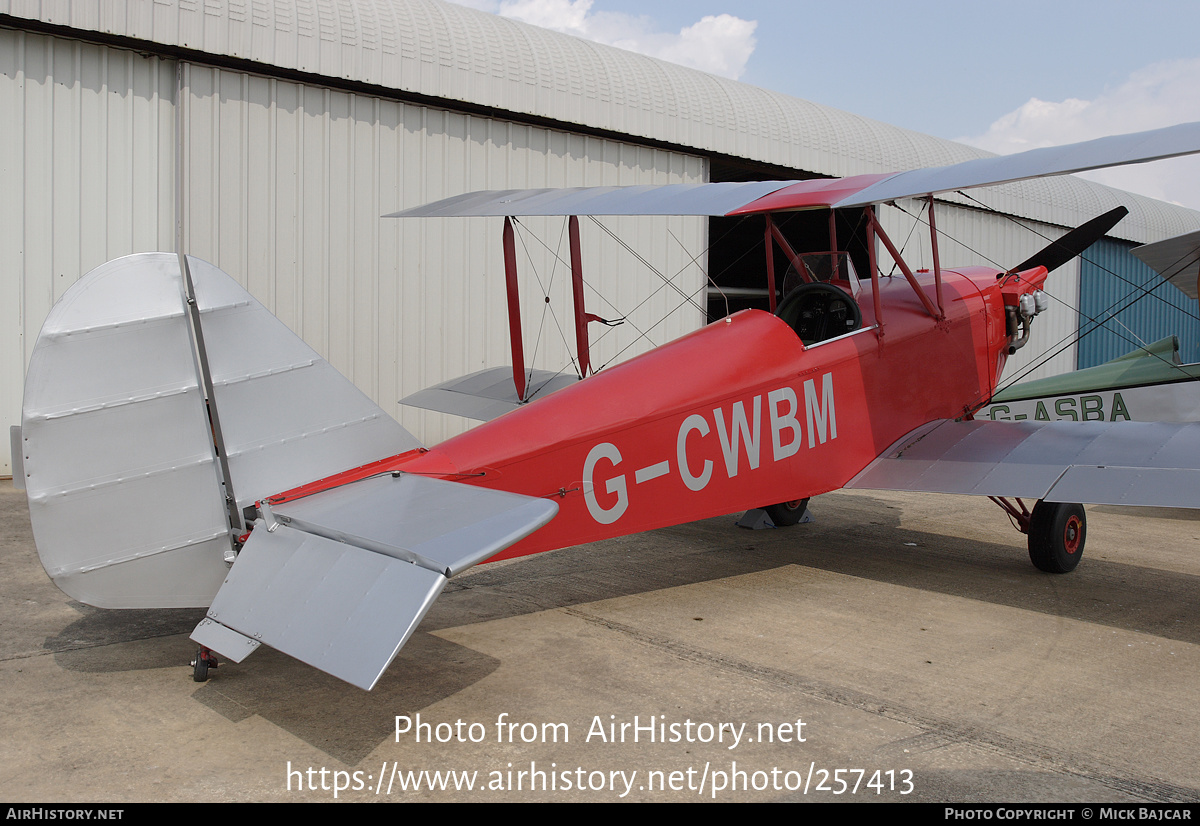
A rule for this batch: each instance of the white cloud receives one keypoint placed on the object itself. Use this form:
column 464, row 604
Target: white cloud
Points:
column 570, row 16
column 720, row 44
column 1162, row 94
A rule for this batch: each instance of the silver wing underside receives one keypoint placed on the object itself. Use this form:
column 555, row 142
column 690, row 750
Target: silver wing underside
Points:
column 668, row 199
column 1114, row 150
column 487, row 394
column 715, row 199
column 1101, row 463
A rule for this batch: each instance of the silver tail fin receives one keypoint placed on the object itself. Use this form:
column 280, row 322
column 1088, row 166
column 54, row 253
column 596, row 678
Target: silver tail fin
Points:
column 127, row 501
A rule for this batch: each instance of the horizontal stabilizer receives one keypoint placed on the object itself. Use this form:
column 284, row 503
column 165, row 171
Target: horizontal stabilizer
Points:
column 340, row 579
column 487, row 394
column 444, row 526
column 1102, row 463
column 342, row 609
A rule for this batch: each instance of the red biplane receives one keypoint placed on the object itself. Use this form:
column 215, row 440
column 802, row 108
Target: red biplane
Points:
column 258, row 470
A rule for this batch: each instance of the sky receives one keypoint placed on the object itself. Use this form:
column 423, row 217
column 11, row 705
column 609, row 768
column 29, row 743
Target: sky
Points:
column 1002, row 76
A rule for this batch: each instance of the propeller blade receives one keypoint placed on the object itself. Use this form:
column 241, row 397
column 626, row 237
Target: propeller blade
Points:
column 1059, row 252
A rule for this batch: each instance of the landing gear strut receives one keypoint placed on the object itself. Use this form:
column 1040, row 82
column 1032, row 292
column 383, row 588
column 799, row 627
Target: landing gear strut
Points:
column 1056, row 531
column 205, row 659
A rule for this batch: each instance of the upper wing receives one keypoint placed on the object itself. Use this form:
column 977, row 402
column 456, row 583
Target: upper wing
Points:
column 1177, row 260
column 1104, row 463
column 668, row 199
column 718, row 199
column 1115, row 150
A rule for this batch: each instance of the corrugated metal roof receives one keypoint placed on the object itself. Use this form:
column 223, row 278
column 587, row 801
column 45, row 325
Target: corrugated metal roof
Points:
column 454, row 53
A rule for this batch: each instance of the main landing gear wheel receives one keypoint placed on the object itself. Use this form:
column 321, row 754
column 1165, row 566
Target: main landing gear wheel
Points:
column 786, row 514
column 1057, row 531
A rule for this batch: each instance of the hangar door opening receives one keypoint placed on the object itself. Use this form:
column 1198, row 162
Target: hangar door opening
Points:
column 737, row 264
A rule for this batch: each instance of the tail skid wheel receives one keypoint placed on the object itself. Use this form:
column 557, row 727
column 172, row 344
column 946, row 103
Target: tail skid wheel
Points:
column 205, row 660
column 786, row 514
column 1057, row 532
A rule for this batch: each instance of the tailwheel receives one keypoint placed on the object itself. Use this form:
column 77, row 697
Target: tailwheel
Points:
column 1057, row 531
column 205, row 659
column 786, row 514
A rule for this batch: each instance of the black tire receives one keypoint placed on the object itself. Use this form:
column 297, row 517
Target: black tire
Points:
column 786, row 514
column 200, row 667
column 1057, row 532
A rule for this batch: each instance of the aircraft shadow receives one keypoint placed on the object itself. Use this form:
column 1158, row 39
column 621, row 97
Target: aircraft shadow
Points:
column 857, row 535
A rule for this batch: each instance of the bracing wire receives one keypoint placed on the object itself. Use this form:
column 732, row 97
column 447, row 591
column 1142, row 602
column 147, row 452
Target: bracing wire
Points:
column 667, row 281
column 611, row 306
column 1075, row 337
column 546, row 305
column 1117, row 275
column 913, row 228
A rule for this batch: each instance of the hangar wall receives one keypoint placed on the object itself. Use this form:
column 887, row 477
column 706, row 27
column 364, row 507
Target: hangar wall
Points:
column 287, row 171
column 284, row 184
column 86, row 171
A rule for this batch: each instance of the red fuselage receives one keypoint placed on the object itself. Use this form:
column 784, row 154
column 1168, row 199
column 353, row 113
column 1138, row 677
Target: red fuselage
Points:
column 733, row 416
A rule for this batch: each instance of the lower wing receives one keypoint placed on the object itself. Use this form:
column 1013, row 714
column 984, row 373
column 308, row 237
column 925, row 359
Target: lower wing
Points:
column 1102, row 463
